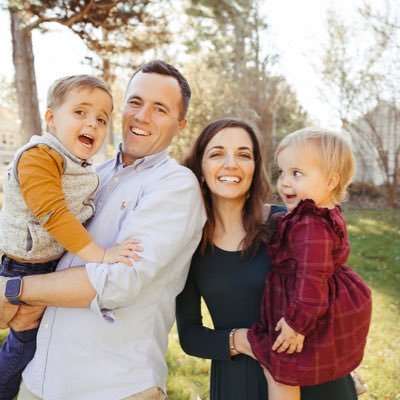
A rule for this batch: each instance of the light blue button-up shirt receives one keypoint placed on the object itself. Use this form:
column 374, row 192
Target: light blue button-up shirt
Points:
column 117, row 347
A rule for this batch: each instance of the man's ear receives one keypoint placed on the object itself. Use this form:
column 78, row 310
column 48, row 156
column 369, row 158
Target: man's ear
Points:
column 49, row 118
column 333, row 181
column 182, row 124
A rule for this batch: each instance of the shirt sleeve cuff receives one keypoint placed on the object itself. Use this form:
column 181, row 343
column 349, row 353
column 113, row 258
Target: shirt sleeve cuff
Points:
column 97, row 274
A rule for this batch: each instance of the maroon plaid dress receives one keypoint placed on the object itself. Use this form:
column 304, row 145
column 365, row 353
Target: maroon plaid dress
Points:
column 317, row 294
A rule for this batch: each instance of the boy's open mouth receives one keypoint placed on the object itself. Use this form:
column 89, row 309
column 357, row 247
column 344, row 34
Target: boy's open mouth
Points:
column 87, row 140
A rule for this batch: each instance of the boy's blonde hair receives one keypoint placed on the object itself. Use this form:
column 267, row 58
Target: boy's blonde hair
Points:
column 335, row 152
column 60, row 88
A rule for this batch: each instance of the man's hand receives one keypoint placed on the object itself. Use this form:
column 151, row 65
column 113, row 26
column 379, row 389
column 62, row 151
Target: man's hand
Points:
column 27, row 317
column 7, row 310
column 20, row 318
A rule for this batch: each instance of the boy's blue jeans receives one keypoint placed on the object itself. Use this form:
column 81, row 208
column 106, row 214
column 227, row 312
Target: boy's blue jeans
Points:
column 19, row 347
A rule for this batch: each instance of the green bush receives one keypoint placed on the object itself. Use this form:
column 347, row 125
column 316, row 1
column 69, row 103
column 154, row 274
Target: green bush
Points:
column 365, row 190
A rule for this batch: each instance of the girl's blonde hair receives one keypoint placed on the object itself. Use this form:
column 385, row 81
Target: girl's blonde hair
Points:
column 335, row 152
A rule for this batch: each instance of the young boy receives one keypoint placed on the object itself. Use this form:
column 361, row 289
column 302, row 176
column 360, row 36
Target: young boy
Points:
column 48, row 195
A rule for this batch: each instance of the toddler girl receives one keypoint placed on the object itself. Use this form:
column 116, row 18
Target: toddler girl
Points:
column 316, row 311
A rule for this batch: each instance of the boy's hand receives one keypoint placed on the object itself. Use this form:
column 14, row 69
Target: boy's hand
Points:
column 123, row 252
column 289, row 340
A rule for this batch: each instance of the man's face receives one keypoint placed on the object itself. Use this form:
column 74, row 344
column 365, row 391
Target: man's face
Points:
column 151, row 115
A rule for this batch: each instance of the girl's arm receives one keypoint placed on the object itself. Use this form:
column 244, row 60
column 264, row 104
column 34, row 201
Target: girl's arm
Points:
column 311, row 244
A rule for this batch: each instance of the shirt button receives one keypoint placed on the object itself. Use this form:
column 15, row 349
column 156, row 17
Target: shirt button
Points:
column 116, row 179
column 46, row 326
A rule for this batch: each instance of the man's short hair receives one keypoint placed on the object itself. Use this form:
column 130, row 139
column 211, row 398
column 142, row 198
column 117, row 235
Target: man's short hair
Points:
column 162, row 68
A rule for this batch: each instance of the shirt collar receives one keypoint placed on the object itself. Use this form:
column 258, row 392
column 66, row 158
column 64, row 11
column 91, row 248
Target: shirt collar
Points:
column 141, row 163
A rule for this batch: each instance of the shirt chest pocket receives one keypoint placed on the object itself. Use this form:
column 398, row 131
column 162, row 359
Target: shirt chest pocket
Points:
column 128, row 200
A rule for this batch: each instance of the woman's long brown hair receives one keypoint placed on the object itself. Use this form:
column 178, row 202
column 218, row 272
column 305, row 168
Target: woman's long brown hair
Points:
column 260, row 189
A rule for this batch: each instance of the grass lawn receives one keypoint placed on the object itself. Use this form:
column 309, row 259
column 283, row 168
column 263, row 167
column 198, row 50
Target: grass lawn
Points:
column 375, row 241
column 375, row 255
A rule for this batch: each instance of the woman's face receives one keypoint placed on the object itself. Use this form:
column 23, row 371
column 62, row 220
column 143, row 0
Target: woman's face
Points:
column 228, row 164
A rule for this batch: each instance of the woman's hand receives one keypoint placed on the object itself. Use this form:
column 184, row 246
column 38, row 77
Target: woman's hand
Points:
column 289, row 340
column 241, row 342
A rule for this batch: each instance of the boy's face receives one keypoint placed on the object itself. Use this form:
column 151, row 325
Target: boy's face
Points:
column 80, row 122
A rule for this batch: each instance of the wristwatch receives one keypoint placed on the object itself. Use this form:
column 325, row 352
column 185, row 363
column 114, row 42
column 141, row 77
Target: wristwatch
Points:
column 13, row 291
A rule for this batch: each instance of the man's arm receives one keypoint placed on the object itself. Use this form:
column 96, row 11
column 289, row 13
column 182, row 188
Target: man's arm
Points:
column 66, row 288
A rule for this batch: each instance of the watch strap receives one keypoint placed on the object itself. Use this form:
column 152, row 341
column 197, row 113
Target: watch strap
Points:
column 13, row 291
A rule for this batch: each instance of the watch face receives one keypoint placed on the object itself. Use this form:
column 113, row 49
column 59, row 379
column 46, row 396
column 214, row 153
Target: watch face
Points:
column 13, row 288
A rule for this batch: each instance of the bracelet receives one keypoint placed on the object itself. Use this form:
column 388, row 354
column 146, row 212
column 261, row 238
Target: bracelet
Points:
column 232, row 342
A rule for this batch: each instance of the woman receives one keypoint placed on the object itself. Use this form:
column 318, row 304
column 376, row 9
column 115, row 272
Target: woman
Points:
column 230, row 266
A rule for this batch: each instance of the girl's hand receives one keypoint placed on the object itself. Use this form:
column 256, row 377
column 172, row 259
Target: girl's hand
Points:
column 123, row 252
column 289, row 340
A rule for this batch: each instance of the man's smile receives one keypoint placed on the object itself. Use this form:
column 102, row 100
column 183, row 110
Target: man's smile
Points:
column 139, row 132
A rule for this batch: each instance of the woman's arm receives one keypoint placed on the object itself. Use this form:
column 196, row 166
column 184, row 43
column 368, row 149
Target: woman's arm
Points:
column 196, row 339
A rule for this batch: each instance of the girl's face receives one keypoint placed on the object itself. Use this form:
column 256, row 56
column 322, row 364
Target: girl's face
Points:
column 301, row 176
column 228, row 164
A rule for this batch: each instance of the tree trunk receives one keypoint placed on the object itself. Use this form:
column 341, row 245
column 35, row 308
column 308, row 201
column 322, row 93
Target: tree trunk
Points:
column 109, row 78
column 390, row 195
column 25, row 80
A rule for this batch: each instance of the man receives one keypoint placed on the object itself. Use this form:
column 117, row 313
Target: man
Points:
column 104, row 333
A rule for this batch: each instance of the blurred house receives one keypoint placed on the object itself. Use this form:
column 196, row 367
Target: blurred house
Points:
column 10, row 139
column 376, row 139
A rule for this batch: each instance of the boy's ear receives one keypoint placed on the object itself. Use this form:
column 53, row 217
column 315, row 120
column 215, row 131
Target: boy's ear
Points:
column 333, row 181
column 49, row 118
